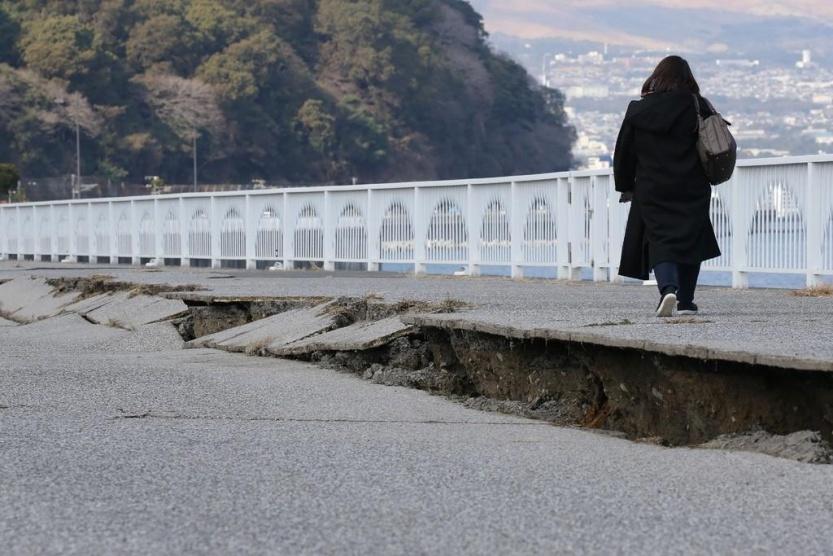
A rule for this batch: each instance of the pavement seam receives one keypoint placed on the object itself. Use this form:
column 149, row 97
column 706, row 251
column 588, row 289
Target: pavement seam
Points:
column 163, row 416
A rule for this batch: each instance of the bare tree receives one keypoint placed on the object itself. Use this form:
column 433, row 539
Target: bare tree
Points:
column 187, row 106
column 54, row 106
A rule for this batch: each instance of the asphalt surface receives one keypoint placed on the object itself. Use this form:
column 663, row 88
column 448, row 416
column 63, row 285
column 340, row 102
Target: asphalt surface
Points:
column 158, row 450
column 753, row 326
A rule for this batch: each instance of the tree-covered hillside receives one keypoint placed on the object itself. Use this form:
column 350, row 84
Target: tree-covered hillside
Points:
column 293, row 91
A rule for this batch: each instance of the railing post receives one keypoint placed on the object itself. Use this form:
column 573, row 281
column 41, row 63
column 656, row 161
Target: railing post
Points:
column 113, row 237
column 614, row 228
column 135, row 236
column 250, row 226
column 373, row 250
column 158, row 237
column 72, row 248
column 90, row 233
column 740, row 278
column 288, row 243
column 19, row 226
column 564, row 226
column 598, row 215
column 213, row 234
column 815, row 226
column 35, row 235
column 2, row 234
column 515, row 232
column 420, row 231
column 473, row 233
column 53, row 233
column 184, row 242
column 329, row 234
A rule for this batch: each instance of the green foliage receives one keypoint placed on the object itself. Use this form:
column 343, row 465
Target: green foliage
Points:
column 58, row 46
column 317, row 126
column 8, row 178
column 9, row 32
column 364, row 138
column 112, row 171
column 239, row 72
column 216, row 24
column 286, row 90
column 165, row 41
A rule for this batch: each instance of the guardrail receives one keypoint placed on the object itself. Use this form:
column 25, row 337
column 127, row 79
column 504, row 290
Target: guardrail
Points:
column 775, row 216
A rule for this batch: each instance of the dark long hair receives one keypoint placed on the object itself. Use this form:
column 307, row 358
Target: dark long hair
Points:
column 672, row 74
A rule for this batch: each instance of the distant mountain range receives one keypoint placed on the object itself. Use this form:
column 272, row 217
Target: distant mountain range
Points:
column 770, row 30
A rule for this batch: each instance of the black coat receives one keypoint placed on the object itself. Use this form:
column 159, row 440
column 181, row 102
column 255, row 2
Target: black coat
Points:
column 656, row 160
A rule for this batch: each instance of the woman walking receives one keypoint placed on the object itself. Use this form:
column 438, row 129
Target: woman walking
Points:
column 658, row 168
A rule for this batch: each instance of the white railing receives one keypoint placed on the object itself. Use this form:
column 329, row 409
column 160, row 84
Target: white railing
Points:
column 775, row 216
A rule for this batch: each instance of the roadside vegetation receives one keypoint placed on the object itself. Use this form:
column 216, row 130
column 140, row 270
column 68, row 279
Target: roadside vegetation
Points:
column 290, row 91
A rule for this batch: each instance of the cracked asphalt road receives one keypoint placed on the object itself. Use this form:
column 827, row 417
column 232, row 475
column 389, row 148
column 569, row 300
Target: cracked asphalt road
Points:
column 197, row 451
column 765, row 326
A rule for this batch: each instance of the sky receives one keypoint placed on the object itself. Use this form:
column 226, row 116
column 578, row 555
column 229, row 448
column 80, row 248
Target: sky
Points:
column 566, row 18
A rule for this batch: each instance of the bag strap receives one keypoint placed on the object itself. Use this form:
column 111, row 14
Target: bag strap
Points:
column 699, row 115
column 711, row 106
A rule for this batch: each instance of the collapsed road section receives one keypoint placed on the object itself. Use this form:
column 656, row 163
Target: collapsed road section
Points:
column 671, row 398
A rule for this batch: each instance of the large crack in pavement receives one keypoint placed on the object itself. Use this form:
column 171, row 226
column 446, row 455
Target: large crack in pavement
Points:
column 663, row 399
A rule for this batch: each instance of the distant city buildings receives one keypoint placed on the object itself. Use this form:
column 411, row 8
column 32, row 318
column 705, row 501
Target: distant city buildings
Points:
column 806, row 60
column 776, row 110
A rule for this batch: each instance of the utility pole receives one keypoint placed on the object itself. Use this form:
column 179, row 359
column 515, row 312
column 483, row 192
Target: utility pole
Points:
column 76, row 186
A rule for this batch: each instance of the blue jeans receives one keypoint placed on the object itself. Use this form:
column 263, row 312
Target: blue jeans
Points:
column 681, row 277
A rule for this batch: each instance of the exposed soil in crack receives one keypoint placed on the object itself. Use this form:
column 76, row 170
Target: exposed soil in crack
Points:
column 90, row 286
column 664, row 400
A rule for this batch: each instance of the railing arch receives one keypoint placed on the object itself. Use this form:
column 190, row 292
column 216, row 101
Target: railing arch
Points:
column 233, row 235
column 147, row 235
column 777, row 235
column 269, row 232
column 447, row 236
column 396, row 233
column 309, row 235
column 351, row 234
column 199, row 235
column 495, row 233
column 124, row 234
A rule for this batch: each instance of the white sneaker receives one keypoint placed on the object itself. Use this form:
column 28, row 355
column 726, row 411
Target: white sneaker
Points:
column 689, row 309
column 667, row 305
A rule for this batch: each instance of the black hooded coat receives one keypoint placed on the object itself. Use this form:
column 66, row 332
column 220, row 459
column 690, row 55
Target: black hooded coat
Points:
column 656, row 160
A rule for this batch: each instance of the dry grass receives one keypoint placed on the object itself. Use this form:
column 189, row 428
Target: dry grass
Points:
column 344, row 310
column 259, row 347
column 624, row 322
column 447, row 305
column 816, row 291
column 114, row 323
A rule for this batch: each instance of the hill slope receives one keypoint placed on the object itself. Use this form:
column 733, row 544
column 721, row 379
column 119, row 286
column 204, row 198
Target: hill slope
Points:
column 293, row 91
